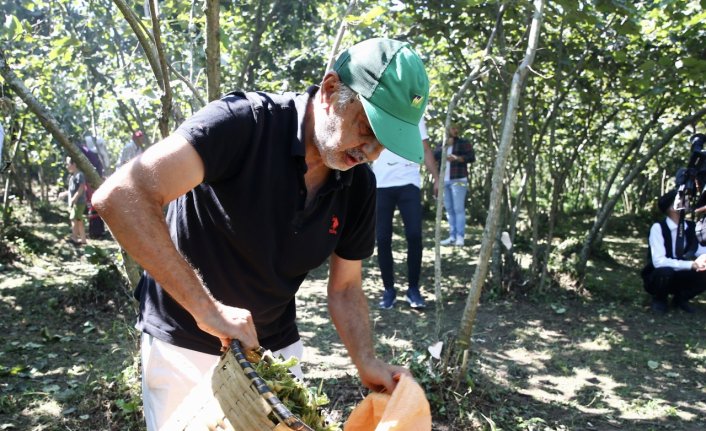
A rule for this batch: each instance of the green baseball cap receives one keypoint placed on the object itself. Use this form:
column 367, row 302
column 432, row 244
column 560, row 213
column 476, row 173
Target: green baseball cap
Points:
column 394, row 89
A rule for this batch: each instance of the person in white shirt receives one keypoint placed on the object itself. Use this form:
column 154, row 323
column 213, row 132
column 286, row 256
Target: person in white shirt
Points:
column 674, row 269
column 399, row 186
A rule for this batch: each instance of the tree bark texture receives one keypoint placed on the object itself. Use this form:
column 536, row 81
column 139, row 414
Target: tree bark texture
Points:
column 467, row 321
column 8, row 170
column 213, row 49
column 472, row 76
column 166, row 86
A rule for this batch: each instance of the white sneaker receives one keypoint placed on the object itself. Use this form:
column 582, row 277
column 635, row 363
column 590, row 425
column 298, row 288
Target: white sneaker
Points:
column 459, row 242
column 447, row 241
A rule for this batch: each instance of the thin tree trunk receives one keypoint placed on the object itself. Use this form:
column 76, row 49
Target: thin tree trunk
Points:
column 44, row 193
column 524, row 183
column 630, row 150
column 192, row 40
column 472, row 76
column 123, row 108
column 557, row 192
column 9, row 169
column 463, row 342
column 29, row 192
column 245, row 74
column 339, row 36
column 166, row 86
column 145, row 41
column 533, row 207
column 213, row 49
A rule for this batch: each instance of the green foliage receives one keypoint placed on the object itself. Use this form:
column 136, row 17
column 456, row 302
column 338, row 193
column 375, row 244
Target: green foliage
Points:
column 304, row 402
column 605, row 70
column 636, row 58
column 22, row 240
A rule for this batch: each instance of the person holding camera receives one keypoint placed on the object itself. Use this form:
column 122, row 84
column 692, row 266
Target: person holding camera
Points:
column 677, row 261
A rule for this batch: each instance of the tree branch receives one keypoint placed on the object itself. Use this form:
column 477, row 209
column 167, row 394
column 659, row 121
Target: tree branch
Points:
column 49, row 122
column 137, row 27
column 339, row 37
column 518, row 80
column 166, row 87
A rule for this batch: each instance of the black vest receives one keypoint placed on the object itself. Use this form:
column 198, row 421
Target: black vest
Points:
column 689, row 248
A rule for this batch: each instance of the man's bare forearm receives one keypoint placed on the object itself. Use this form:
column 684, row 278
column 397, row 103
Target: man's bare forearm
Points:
column 148, row 242
column 348, row 307
column 349, row 312
column 131, row 203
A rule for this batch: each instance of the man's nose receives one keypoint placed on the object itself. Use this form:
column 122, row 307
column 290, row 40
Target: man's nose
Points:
column 372, row 150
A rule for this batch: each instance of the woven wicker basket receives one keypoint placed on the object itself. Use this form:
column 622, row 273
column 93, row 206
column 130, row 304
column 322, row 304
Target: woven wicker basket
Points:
column 235, row 399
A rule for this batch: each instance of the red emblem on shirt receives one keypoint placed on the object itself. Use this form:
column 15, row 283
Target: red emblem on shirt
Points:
column 334, row 226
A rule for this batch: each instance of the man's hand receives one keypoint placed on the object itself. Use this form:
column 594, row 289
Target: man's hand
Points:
column 699, row 264
column 378, row 376
column 229, row 323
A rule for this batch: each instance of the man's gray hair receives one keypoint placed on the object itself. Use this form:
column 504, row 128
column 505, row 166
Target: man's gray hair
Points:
column 346, row 95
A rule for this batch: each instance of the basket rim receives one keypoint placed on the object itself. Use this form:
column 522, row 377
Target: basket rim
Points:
column 278, row 408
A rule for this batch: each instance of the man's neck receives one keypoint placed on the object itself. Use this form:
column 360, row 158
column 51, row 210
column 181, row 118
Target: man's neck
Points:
column 316, row 171
column 674, row 216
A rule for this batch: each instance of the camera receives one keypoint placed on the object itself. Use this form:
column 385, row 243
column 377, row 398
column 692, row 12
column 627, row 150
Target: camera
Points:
column 690, row 181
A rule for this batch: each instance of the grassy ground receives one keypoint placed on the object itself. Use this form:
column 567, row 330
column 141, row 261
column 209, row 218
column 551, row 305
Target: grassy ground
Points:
column 552, row 360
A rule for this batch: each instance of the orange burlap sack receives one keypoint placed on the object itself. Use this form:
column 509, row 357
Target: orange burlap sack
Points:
column 407, row 409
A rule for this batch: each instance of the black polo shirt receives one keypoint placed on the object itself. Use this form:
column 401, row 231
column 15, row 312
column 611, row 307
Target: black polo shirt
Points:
column 246, row 229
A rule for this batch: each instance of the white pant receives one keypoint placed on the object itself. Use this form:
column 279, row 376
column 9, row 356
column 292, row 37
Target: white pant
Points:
column 169, row 373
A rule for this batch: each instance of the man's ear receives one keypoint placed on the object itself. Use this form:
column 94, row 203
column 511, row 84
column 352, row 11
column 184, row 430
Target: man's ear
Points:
column 329, row 88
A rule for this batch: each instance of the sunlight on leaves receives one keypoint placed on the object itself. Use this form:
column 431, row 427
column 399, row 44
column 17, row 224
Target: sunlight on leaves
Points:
column 16, row 370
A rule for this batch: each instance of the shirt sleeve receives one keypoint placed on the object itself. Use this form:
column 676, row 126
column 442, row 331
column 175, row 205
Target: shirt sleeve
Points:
column 700, row 250
column 464, row 150
column 659, row 254
column 220, row 132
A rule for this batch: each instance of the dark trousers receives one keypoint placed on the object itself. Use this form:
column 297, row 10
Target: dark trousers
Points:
column 408, row 200
column 683, row 285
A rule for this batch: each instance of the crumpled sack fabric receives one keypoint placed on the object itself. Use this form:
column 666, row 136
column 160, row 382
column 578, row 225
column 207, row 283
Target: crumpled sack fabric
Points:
column 407, row 409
